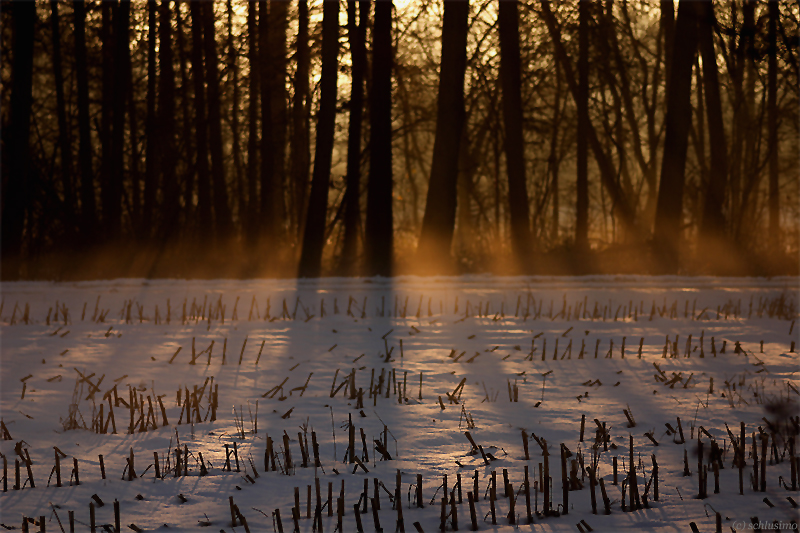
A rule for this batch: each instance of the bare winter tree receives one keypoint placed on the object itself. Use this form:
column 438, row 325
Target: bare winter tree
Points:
column 669, row 210
column 438, row 224
column 379, row 228
column 223, row 223
column 510, row 78
column 87, row 212
column 357, row 33
column 16, row 180
column 314, row 234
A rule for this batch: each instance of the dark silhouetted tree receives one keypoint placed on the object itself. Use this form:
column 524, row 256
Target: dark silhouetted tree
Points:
column 170, row 208
column 16, row 180
column 582, row 186
column 107, row 10
column 250, row 220
column 151, row 128
column 275, row 69
column 713, row 223
column 772, row 127
column 205, row 221
column 88, row 216
column 187, row 142
column 438, row 223
column 299, row 142
column 510, row 80
column 379, row 231
column 356, row 33
column 669, row 209
column 236, row 149
column 64, row 145
column 267, row 217
column 608, row 174
column 223, row 223
column 112, row 191
column 314, row 233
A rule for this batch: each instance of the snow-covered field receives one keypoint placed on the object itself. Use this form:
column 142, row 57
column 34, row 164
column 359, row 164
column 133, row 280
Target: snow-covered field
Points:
column 494, row 357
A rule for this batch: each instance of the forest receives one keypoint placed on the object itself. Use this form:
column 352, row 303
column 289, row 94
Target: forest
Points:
column 264, row 138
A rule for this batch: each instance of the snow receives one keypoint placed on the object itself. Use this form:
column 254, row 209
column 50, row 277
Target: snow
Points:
column 422, row 438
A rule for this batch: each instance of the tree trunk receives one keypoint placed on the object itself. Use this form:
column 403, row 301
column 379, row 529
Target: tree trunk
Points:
column 190, row 158
column 16, row 187
column 741, row 112
column 314, row 234
column 379, row 231
column 299, row 147
column 582, row 185
column 222, row 213
column 170, row 209
column 553, row 160
column 64, row 144
column 751, row 171
column 713, row 223
column 438, row 223
column 470, row 156
column 151, row 129
column 268, row 219
column 88, row 215
column 252, row 113
column 772, row 126
column 669, row 209
column 233, row 64
column 276, row 72
column 135, row 160
column 112, row 207
column 205, row 221
column 697, row 132
column 352, row 215
column 667, row 22
column 108, row 10
column 465, row 240
column 510, row 78
column 136, row 179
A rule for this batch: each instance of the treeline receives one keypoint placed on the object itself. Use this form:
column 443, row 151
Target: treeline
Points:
column 245, row 138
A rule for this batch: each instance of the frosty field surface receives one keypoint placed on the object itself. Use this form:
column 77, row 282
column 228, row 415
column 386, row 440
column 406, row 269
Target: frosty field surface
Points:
column 492, row 356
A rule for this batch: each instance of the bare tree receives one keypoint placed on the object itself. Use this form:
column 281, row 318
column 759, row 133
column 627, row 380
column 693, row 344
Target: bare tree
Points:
column 438, row 224
column 233, row 80
column 112, row 189
column 772, row 126
column 379, row 230
column 151, row 150
column 356, row 32
column 314, row 234
column 190, row 170
column 222, row 211
column 268, row 219
column 299, row 142
column 16, row 186
column 107, row 10
column 205, row 221
column 88, row 209
column 669, row 210
column 170, row 208
column 254, row 89
column 713, row 223
column 608, row 175
column 65, row 148
column 582, row 195
column 276, row 77
column 510, row 78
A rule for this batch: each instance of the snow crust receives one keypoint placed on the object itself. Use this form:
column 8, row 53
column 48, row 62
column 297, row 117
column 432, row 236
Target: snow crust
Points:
column 433, row 317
